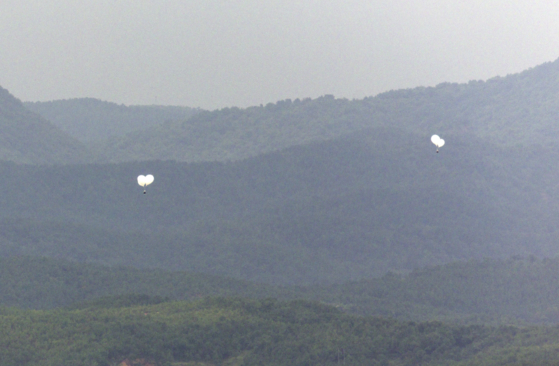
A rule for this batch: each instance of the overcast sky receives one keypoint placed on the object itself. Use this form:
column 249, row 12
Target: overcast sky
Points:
column 218, row 53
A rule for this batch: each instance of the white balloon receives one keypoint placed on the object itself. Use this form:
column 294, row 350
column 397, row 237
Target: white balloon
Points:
column 142, row 180
column 437, row 141
column 145, row 180
column 149, row 177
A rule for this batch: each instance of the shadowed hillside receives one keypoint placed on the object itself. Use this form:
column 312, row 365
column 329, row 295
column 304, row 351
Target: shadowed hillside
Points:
column 25, row 137
column 515, row 291
column 42, row 283
column 93, row 120
column 345, row 209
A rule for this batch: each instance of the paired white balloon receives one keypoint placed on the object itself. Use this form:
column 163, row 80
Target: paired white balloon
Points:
column 145, row 180
column 439, row 142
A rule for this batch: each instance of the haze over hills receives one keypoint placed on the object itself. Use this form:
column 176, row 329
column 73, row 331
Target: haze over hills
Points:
column 350, row 208
column 290, row 233
column 234, row 134
column 516, row 109
column 42, row 283
column 91, row 120
column 308, row 192
column 514, row 291
column 26, row 137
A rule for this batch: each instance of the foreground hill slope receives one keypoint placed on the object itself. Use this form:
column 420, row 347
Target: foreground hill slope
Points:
column 328, row 212
column 25, row 137
column 518, row 109
column 515, row 291
column 92, row 120
column 249, row 332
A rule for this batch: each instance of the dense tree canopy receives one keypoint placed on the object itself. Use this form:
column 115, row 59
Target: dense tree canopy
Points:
column 260, row 332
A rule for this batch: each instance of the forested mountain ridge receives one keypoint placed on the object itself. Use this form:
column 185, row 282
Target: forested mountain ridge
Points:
column 518, row 109
column 91, row 120
column 350, row 208
column 26, row 137
column 234, row 133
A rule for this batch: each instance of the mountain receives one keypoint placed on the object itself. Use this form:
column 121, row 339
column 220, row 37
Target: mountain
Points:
column 234, row 134
column 346, row 208
column 25, row 137
column 329, row 212
column 91, row 120
column 518, row 109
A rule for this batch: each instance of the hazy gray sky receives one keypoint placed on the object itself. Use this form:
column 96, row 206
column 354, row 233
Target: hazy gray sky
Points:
column 212, row 54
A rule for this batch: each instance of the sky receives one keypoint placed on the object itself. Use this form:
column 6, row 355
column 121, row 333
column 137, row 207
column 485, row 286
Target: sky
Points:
column 220, row 53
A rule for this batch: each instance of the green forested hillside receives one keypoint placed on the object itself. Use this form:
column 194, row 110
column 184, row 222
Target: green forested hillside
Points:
column 25, row 137
column 42, row 283
column 264, row 332
column 518, row 109
column 328, row 212
column 92, row 120
column 515, row 291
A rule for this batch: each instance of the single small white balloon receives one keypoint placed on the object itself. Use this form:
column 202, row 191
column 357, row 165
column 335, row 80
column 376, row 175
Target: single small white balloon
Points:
column 441, row 143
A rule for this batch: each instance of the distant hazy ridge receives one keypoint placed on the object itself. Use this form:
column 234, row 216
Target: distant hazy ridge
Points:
column 518, row 109
column 26, row 137
column 91, row 120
